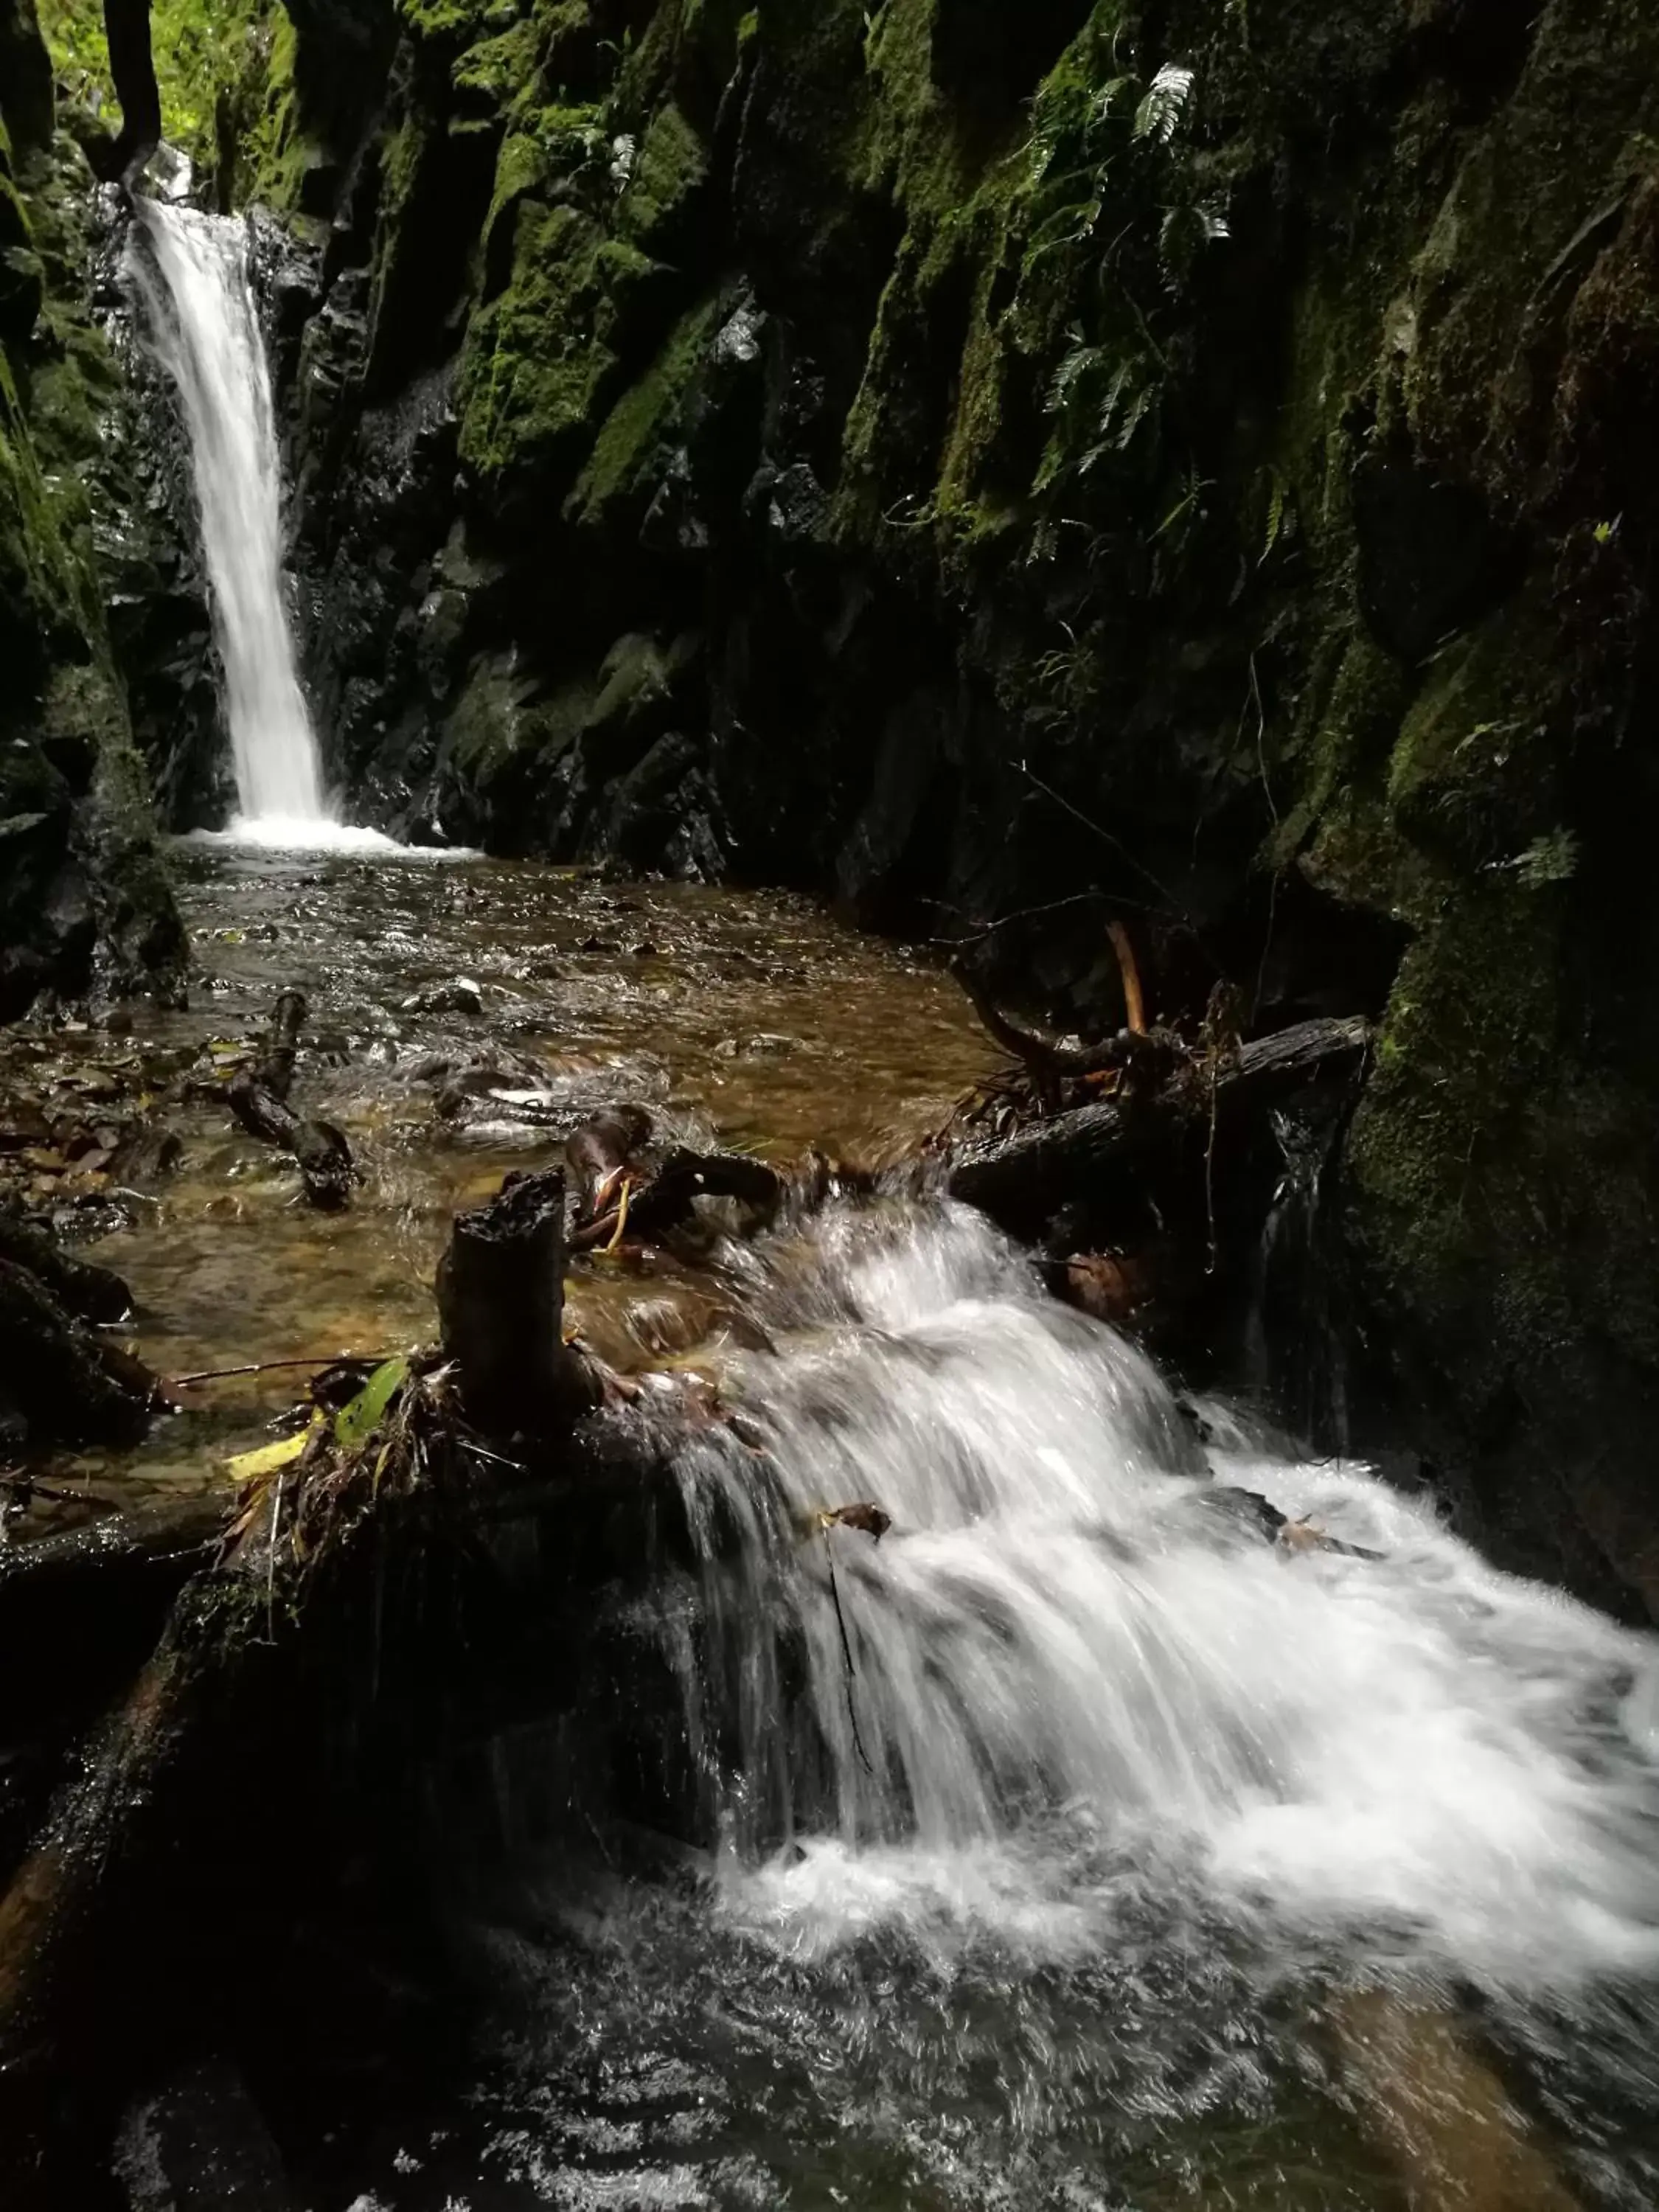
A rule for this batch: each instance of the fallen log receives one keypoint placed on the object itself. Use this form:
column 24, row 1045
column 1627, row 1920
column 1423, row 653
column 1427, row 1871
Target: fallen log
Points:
column 1023, row 1179
column 259, row 1100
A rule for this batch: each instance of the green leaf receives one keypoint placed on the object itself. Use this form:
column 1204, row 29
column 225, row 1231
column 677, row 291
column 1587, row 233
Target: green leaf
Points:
column 356, row 1421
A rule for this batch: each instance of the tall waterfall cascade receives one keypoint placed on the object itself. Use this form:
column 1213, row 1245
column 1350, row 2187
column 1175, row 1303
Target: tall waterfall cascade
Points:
column 191, row 273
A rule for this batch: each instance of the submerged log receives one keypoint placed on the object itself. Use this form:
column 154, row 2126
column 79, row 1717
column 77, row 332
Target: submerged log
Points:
column 89, row 1292
column 500, row 1303
column 1024, row 1178
column 259, row 1100
column 668, row 1201
column 68, row 1384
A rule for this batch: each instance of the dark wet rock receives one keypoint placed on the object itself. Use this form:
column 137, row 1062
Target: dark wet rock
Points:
column 461, row 996
column 200, row 2144
column 767, row 1045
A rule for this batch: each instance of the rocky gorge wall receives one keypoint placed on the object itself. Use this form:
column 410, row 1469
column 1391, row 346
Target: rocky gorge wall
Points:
column 83, row 897
column 1007, row 468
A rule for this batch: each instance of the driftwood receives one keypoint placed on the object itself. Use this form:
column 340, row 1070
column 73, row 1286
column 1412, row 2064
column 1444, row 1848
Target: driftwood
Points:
column 500, row 1303
column 259, row 1100
column 1024, row 1177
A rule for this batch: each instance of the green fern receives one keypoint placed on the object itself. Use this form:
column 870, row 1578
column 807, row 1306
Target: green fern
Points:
column 1164, row 107
column 1276, row 499
column 1553, row 859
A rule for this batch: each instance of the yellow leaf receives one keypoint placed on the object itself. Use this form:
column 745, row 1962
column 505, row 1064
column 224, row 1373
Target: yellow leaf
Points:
column 247, row 1466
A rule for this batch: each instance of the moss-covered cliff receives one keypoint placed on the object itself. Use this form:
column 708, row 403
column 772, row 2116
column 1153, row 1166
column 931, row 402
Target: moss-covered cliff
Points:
column 1010, row 465
column 82, row 896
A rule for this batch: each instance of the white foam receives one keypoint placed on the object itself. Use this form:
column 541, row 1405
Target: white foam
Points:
column 292, row 834
column 1075, row 1677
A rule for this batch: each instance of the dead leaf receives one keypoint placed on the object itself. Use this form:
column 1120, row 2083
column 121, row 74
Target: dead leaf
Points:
column 868, row 1519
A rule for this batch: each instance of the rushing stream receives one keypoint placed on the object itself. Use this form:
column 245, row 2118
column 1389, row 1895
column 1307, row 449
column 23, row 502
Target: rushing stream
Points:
column 1135, row 1863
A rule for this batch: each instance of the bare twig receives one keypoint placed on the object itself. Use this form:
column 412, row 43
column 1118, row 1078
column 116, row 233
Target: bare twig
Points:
column 847, row 1652
column 1106, row 836
column 277, row 1366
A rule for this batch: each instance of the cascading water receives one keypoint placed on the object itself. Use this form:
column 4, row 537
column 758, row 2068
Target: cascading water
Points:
column 1078, row 1666
column 1117, row 1860
column 190, row 273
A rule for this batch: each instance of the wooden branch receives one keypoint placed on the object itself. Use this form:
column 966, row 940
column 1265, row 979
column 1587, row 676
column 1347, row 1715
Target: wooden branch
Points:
column 1042, row 1165
column 258, row 1099
column 600, row 1152
column 1051, row 1059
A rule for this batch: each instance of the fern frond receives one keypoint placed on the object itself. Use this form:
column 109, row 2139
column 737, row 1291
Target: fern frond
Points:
column 1139, row 408
column 1161, row 111
column 1077, row 362
column 1114, row 391
column 1275, row 512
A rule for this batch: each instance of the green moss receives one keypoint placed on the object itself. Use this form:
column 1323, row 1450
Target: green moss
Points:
column 457, row 23
column 541, row 360
column 668, row 169
column 498, row 69
column 643, row 421
column 37, row 583
column 1467, row 1062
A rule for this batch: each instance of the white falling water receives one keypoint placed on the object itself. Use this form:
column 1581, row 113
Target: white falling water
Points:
column 1079, row 1677
column 191, row 273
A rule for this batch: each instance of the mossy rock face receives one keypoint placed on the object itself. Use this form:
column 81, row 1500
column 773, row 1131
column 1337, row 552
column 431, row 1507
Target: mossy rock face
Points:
column 83, row 897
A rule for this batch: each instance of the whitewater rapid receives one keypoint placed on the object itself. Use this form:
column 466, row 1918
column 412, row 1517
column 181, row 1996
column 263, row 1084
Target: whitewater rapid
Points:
column 1081, row 1679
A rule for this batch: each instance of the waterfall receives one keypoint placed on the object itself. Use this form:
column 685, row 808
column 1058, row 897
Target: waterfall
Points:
column 1080, row 1673
column 192, row 275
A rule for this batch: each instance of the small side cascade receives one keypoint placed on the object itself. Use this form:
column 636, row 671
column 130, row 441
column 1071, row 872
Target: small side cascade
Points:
column 190, row 272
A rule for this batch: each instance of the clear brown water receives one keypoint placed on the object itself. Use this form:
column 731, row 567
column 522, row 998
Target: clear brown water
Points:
column 753, row 1019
